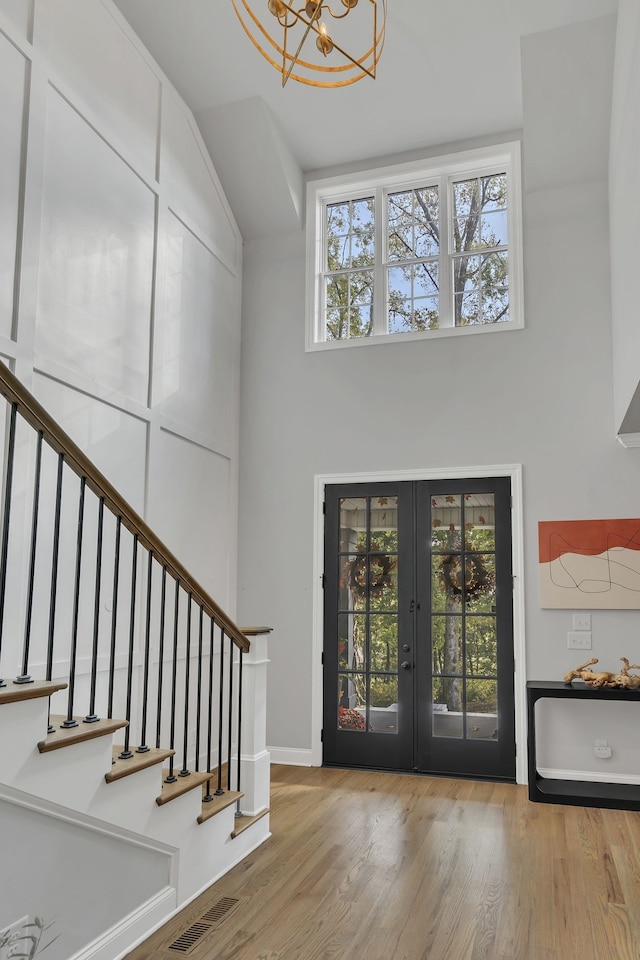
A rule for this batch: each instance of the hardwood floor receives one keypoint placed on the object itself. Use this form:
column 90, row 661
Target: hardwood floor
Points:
column 375, row 866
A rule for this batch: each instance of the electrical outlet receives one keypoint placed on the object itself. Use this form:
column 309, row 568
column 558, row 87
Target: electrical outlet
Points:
column 579, row 640
column 602, row 753
column 12, row 939
column 582, row 621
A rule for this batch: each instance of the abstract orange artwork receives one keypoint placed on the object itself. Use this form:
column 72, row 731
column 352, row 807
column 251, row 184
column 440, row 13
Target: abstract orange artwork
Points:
column 589, row 564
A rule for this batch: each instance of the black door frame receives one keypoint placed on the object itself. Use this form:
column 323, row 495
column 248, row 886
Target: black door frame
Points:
column 514, row 471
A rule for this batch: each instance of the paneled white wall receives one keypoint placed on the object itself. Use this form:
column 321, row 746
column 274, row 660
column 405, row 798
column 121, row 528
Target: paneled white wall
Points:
column 119, row 280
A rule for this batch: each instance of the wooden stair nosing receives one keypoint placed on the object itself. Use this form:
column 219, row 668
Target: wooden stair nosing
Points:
column 243, row 823
column 182, row 785
column 139, row 761
column 16, row 692
column 211, row 807
column 67, row 736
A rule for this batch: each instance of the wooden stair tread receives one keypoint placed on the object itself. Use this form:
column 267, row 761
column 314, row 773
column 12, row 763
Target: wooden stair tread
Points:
column 182, row 785
column 15, row 692
column 211, row 807
column 65, row 737
column 243, row 823
column 139, row 761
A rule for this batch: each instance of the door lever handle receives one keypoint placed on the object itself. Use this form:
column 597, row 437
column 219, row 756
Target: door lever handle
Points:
column 412, row 606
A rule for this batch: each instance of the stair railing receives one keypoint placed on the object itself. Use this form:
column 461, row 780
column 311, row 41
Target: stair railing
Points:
column 180, row 658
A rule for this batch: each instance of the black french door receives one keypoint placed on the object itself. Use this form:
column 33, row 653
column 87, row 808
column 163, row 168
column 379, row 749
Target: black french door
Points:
column 418, row 627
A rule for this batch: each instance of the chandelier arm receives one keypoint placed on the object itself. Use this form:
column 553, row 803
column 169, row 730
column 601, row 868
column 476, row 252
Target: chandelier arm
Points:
column 309, row 27
column 336, row 16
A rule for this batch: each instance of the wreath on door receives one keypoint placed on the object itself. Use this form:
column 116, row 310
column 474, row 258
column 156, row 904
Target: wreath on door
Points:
column 367, row 574
column 477, row 579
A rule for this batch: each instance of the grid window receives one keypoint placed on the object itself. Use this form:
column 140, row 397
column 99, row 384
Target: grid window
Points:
column 416, row 252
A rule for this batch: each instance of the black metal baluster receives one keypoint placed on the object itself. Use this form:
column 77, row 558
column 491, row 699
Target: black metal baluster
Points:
column 208, row 797
column 24, row 676
column 219, row 790
column 4, row 550
column 126, row 753
column 92, row 716
column 161, row 658
column 70, row 722
column 171, row 778
column 143, row 748
column 240, row 663
column 55, row 552
column 187, row 670
column 199, row 696
column 230, row 711
column 114, row 616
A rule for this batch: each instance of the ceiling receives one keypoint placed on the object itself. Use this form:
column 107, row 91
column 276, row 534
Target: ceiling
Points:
column 450, row 71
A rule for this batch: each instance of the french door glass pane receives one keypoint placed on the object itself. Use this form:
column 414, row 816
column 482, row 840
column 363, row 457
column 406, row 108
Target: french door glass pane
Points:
column 383, row 643
column 481, row 647
column 446, row 722
column 482, row 709
column 351, row 641
column 446, row 639
column 352, row 700
column 480, row 582
column 383, row 695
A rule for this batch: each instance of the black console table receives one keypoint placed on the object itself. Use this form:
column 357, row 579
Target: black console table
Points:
column 582, row 793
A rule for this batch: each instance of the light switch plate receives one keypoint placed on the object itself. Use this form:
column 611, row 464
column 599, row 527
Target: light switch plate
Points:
column 579, row 640
column 582, row 621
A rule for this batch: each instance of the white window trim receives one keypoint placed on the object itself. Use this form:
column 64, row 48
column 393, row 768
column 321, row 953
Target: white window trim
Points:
column 384, row 179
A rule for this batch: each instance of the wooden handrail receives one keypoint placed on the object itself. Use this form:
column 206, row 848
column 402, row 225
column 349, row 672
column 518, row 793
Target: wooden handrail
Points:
column 35, row 414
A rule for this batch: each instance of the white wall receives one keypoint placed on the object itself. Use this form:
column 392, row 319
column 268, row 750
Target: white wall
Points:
column 117, row 875
column 541, row 397
column 625, row 213
column 120, row 267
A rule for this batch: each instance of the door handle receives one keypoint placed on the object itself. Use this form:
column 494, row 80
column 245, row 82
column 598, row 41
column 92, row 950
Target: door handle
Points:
column 405, row 665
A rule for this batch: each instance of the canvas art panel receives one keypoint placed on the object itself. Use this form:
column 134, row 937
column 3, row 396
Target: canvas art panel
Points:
column 589, row 564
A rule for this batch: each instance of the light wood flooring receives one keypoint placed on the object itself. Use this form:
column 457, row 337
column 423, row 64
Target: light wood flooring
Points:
column 375, row 866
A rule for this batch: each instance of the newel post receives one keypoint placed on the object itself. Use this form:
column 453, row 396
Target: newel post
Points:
column 255, row 759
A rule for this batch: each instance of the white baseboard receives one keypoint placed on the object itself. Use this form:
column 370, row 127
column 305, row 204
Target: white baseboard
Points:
column 550, row 773
column 293, row 756
column 134, row 928
column 243, row 852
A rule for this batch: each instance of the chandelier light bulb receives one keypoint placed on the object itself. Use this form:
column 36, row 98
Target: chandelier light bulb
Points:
column 324, row 43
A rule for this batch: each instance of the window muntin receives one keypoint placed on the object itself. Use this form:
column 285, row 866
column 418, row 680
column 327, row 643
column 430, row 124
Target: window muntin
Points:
column 431, row 254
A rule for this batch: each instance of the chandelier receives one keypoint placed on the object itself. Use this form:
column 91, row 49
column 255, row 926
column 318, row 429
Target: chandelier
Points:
column 280, row 30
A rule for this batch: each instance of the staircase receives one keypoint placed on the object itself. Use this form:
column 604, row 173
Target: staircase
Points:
column 132, row 719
